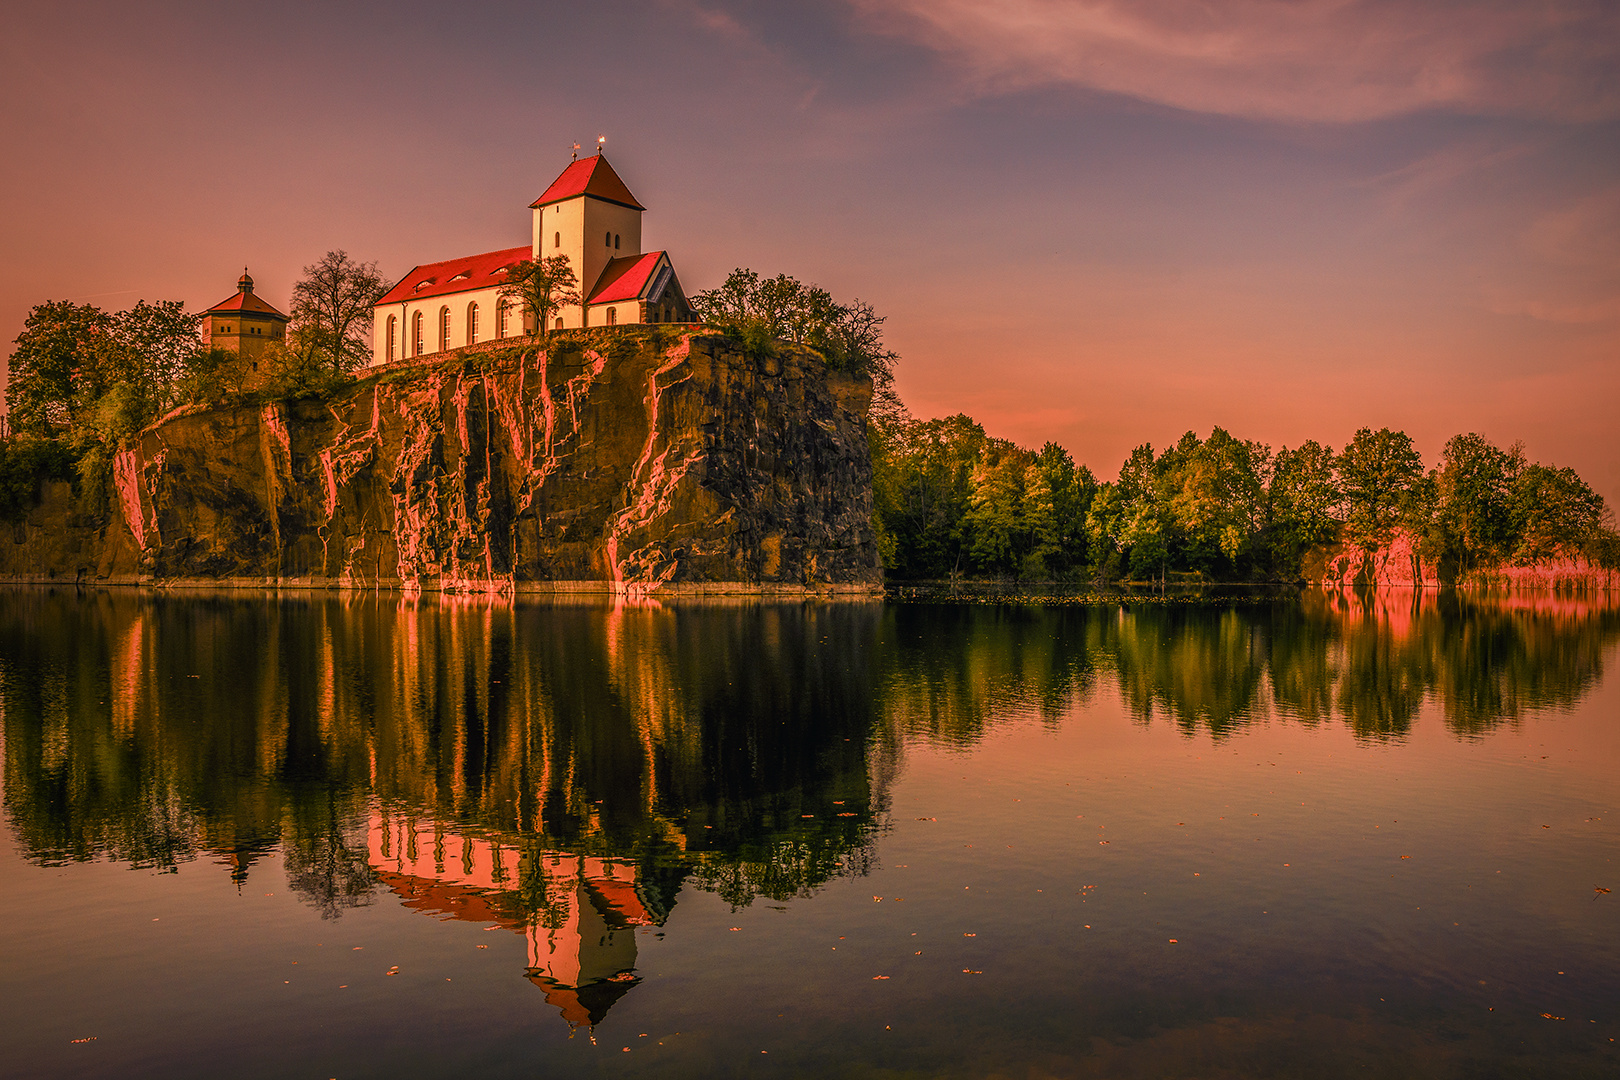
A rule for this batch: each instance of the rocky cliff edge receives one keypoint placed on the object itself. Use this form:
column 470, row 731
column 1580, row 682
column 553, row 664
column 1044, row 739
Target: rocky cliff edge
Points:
column 635, row 461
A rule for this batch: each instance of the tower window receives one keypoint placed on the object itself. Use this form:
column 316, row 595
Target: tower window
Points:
column 472, row 324
column 556, row 239
column 607, row 239
column 615, row 241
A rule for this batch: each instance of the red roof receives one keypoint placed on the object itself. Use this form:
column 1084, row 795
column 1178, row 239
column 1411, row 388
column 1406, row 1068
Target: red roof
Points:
column 626, row 278
column 245, row 301
column 591, row 176
column 455, row 275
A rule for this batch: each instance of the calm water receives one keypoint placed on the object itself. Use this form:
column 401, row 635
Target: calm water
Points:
column 1312, row 837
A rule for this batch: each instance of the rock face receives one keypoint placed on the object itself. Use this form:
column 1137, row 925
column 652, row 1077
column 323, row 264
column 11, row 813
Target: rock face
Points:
column 644, row 460
column 1400, row 564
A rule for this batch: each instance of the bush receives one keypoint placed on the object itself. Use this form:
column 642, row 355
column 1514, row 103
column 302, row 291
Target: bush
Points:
column 25, row 463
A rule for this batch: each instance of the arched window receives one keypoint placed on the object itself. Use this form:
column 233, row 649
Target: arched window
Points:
column 613, row 316
column 416, row 334
column 556, row 239
column 472, row 324
column 444, row 329
column 391, row 328
column 559, row 323
column 615, row 241
column 607, row 239
column 503, row 312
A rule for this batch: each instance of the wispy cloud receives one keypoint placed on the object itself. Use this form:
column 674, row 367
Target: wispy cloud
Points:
column 1295, row 60
column 1571, row 275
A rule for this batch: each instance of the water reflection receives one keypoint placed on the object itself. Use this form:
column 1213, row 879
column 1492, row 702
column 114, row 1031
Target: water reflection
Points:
column 563, row 772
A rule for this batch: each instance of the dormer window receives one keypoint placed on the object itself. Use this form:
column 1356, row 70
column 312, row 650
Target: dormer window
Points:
column 462, row 276
column 424, row 283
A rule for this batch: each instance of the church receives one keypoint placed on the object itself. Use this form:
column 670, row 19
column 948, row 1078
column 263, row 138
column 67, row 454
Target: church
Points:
column 446, row 305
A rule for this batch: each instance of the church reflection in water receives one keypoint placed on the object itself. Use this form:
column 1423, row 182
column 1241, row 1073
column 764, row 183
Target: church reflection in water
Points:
column 564, row 772
column 581, row 941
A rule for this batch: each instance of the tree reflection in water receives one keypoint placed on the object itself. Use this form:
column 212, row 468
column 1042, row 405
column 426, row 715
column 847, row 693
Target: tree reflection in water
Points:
column 564, row 770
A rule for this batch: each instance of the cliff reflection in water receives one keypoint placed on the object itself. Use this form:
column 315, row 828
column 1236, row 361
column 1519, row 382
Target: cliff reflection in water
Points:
column 564, row 771
column 561, row 771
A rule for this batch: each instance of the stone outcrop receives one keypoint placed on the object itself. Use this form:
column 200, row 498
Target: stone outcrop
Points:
column 1401, row 564
column 647, row 460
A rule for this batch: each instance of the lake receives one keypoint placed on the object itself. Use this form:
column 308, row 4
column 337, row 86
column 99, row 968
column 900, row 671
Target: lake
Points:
column 1314, row 835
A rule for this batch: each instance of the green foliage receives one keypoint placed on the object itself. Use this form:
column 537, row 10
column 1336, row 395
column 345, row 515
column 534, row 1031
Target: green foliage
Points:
column 1303, row 500
column 1381, row 475
column 951, row 501
column 25, row 463
column 542, row 287
column 1555, row 514
column 758, row 312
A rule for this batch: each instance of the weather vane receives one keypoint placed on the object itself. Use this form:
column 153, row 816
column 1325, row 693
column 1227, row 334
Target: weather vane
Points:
column 574, row 152
column 600, row 139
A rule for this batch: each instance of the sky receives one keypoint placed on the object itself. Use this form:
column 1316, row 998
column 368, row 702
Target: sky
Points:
column 1095, row 222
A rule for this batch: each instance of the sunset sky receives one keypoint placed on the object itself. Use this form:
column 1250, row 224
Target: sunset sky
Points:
column 1092, row 221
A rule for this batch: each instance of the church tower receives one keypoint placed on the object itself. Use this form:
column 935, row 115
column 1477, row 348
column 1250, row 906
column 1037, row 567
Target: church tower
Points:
column 589, row 215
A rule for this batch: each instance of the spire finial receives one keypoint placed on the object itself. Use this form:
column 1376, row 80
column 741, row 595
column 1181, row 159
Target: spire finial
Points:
column 573, row 152
column 600, row 139
column 244, row 283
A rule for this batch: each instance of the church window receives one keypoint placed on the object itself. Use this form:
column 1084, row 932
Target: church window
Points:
column 472, row 324
column 559, row 323
column 390, row 353
column 444, row 329
column 556, row 240
column 416, row 334
column 503, row 315
column 615, row 241
column 613, row 316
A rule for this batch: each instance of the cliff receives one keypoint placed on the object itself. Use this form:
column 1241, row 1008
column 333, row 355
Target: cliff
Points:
column 1401, row 564
column 630, row 461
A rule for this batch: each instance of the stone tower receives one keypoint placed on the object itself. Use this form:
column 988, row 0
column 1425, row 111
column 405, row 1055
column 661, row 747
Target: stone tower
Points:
column 243, row 323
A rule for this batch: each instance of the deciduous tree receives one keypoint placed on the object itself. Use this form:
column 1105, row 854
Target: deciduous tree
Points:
column 542, row 287
column 331, row 311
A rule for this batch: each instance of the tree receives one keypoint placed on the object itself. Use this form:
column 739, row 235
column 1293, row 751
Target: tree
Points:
column 1301, row 501
column 761, row 311
column 1381, row 474
column 331, row 311
column 54, row 345
column 165, row 341
column 542, row 287
column 1555, row 513
column 1474, row 489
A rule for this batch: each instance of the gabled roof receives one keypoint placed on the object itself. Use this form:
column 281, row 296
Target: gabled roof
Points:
column 591, row 176
column 244, row 301
column 455, row 275
column 629, row 278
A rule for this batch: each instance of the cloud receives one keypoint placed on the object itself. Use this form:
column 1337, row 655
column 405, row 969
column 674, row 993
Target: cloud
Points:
column 1571, row 276
column 1293, row 60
